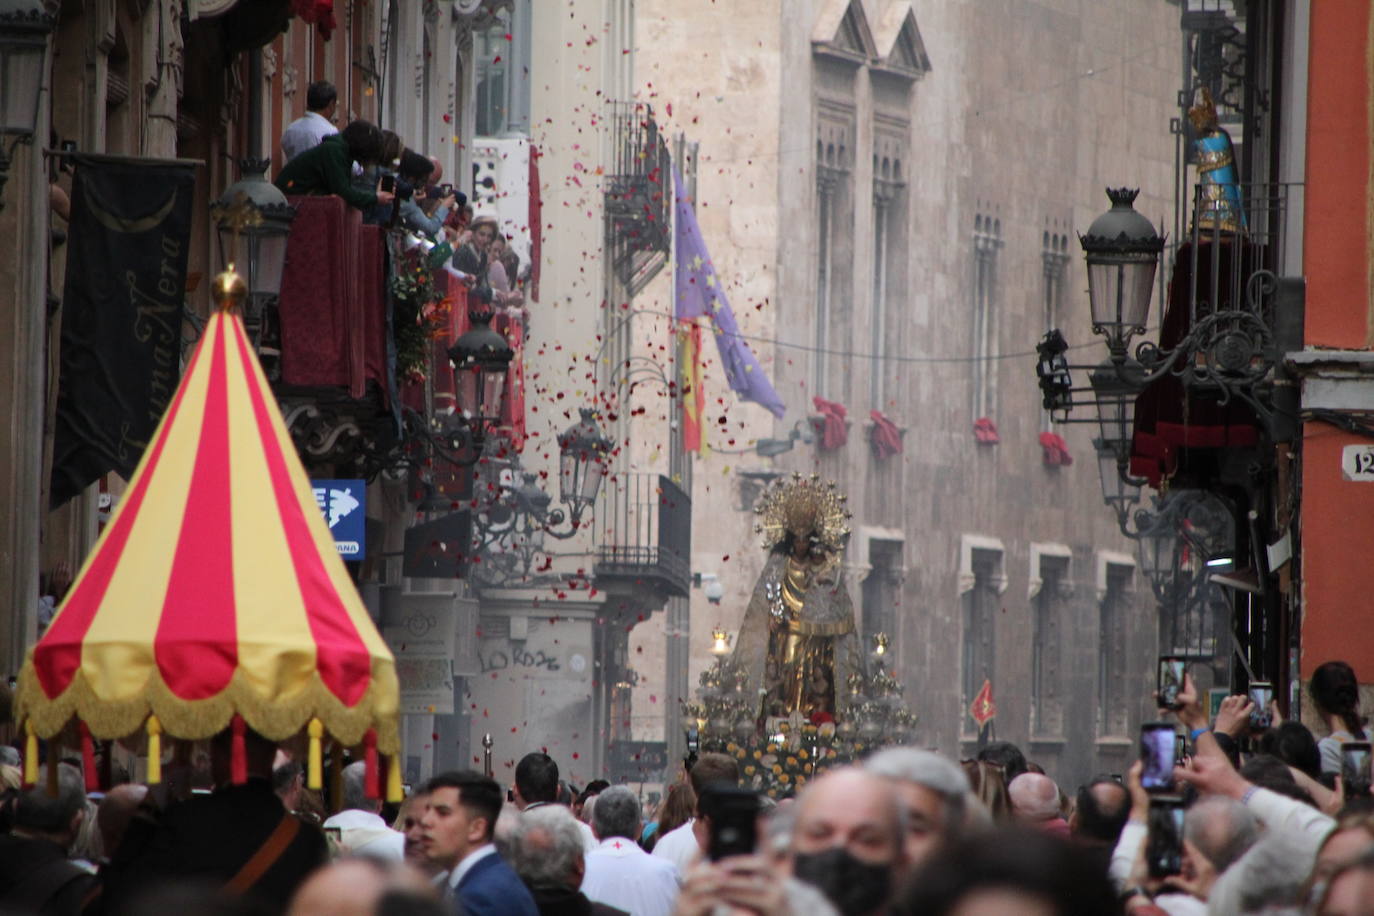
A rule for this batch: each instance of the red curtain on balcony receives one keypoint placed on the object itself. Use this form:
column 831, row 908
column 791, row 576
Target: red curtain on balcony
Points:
column 1172, row 429
column 332, row 303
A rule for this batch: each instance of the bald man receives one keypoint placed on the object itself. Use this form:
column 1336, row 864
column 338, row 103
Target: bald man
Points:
column 1035, row 803
column 848, row 840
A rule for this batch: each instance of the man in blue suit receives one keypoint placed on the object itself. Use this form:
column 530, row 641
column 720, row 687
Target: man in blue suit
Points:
column 460, row 816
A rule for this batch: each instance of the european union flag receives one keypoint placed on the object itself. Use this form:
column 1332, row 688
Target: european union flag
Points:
column 699, row 292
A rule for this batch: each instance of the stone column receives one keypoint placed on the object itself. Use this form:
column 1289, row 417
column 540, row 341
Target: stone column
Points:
column 23, row 318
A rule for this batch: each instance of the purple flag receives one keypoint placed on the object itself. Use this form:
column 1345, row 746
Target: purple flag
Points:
column 699, row 292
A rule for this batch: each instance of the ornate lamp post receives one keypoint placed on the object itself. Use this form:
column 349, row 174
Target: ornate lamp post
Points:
column 481, row 359
column 1122, row 250
column 513, row 525
column 24, row 29
column 263, row 232
column 581, row 463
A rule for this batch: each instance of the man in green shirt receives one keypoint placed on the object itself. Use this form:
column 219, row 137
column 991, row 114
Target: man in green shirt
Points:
column 328, row 168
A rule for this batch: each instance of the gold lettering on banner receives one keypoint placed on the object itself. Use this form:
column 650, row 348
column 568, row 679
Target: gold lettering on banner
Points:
column 157, row 320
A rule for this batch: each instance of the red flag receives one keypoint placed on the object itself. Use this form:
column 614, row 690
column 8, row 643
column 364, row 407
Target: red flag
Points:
column 983, row 709
column 689, row 378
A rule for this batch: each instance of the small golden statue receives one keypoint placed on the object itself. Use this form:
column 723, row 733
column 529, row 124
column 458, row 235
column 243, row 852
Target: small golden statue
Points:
column 798, row 629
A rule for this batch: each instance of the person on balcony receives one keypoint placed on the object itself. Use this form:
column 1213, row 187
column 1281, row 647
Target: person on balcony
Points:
column 471, row 258
column 416, row 171
column 306, row 132
column 327, row 169
column 366, row 179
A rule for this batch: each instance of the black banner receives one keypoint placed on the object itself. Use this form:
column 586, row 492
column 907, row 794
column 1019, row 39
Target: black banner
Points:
column 127, row 246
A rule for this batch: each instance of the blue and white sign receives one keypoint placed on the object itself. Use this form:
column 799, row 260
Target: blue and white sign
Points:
column 344, row 504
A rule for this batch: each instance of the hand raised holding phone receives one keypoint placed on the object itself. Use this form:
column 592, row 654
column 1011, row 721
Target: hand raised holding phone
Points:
column 386, row 194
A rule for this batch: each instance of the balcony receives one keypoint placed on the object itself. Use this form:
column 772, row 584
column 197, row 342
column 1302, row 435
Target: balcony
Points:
column 643, row 536
column 361, row 371
column 638, row 196
column 1229, row 316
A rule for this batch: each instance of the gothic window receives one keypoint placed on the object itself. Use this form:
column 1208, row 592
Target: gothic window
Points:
column 1050, row 608
column 980, row 619
column 881, row 590
column 987, row 241
column 889, row 249
column 1113, row 681
column 834, row 261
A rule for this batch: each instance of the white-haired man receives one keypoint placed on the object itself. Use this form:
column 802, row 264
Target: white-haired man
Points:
column 361, row 829
column 1035, row 803
column 546, row 852
column 934, row 791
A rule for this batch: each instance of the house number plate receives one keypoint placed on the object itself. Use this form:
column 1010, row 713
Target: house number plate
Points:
column 1357, row 463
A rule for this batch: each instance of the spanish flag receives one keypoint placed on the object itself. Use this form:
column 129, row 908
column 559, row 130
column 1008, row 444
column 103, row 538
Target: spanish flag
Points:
column 690, row 384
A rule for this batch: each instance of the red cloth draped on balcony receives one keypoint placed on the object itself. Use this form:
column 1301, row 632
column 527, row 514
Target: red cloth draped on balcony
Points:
column 886, row 438
column 834, row 422
column 985, row 431
column 1055, row 450
column 1174, row 431
column 333, row 303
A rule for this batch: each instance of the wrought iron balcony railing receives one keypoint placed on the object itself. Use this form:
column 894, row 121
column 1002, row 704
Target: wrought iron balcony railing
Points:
column 643, row 534
column 638, row 196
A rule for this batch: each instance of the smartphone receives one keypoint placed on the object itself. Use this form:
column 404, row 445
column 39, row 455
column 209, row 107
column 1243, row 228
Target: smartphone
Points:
column 734, row 815
column 510, row 796
column 1158, row 751
column 1355, row 775
column 1170, row 680
column 389, row 184
column 1261, row 694
column 1164, row 847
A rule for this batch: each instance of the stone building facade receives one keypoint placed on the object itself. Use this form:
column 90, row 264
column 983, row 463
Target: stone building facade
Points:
column 891, row 192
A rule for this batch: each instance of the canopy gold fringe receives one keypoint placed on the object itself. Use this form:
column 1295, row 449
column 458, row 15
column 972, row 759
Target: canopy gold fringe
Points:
column 276, row 718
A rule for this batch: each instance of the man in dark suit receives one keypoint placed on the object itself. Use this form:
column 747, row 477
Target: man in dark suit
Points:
column 239, row 838
column 460, row 816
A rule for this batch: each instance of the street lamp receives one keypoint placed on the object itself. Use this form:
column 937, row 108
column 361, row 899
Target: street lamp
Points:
column 581, row 463
column 481, row 359
column 24, row 29
column 264, row 230
column 1122, row 250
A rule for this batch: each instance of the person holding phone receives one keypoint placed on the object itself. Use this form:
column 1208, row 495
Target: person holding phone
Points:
column 1336, row 692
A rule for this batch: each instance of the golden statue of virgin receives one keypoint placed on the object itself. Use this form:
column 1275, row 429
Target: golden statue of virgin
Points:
column 798, row 630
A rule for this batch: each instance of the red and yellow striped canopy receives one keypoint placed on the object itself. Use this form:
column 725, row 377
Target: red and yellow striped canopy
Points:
column 216, row 588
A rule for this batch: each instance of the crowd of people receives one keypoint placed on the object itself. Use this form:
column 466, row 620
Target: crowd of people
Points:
column 1265, row 820
column 374, row 172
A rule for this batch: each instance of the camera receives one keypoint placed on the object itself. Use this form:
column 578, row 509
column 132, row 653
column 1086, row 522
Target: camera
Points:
column 1158, row 752
column 1169, row 681
column 733, row 813
column 1261, row 694
column 1164, row 847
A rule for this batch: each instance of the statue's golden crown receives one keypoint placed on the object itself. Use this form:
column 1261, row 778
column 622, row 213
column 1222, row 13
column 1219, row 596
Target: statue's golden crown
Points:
column 800, row 506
